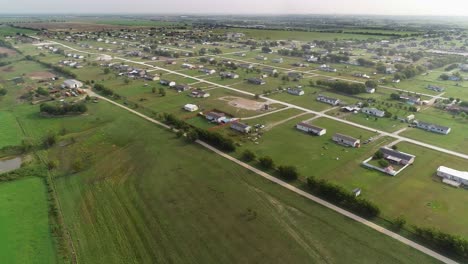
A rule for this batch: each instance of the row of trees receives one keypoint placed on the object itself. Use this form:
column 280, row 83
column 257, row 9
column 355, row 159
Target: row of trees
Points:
column 343, row 198
column 444, row 241
column 63, row 109
column 193, row 133
column 287, row 172
column 103, row 90
column 344, row 87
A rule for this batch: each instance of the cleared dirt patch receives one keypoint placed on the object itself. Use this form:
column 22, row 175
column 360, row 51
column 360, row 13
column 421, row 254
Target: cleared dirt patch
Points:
column 243, row 103
column 10, row 52
column 8, row 69
column 41, row 75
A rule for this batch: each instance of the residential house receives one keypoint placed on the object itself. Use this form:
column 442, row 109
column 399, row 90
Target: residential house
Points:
column 256, row 81
column 433, row 128
column 411, row 99
column 327, row 68
column 295, row 75
column 181, row 87
column 435, row 88
column 71, row 84
column 260, row 57
column 270, row 71
column 295, row 91
column 208, row 71
column 318, row 131
column 190, row 107
column 246, row 66
column 370, row 90
column 199, row 94
column 277, row 60
column 229, row 75
column 346, row 140
column 167, row 83
column 451, row 175
column 241, row 127
column 328, row 100
column 215, row 117
column 373, row 111
column 397, row 157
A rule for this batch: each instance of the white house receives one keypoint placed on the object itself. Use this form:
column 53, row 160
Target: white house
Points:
column 296, row 91
column 72, row 83
column 373, row 111
column 215, row 117
column 241, row 127
column 460, row 177
column 346, row 140
column 433, row 128
column 208, row 71
column 190, row 107
column 311, row 129
column 328, row 100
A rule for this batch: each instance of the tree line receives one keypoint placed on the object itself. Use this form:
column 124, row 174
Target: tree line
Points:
column 344, row 87
column 54, row 67
column 63, row 109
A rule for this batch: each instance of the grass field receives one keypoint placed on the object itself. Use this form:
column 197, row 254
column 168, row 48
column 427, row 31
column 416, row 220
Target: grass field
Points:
column 145, row 196
column 24, row 224
column 11, row 134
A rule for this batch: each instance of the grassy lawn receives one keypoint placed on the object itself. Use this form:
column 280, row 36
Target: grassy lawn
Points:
column 456, row 140
column 24, row 224
column 145, row 197
column 11, row 134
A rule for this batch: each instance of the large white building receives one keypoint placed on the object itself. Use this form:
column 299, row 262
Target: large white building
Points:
column 373, row 111
column 461, row 177
column 72, row 83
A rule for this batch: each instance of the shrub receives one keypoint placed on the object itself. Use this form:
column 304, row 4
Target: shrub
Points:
column 248, row 155
column 266, row 162
column 383, row 163
column 399, row 222
column 288, row 172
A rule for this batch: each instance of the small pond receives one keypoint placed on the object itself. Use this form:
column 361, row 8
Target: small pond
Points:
column 10, row 164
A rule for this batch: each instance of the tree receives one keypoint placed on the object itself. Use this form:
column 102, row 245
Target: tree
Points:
column 162, row 92
column 371, row 84
column 192, row 135
column 49, row 140
column 106, row 70
column 444, row 77
column 153, row 90
column 3, row 91
column 383, row 163
column 394, row 147
column 399, row 222
column 52, row 164
column 77, row 165
column 266, row 162
column 378, row 155
column 248, row 155
column 288, row 172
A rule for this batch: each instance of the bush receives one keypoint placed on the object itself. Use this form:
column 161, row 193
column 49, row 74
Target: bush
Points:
column 49, row 140
column 248, row 155
column 378, row 155
column 288, row 172
column 399, row 222
column 384, row 163
column 266, row 162
column 63, row 109
column 3, row 92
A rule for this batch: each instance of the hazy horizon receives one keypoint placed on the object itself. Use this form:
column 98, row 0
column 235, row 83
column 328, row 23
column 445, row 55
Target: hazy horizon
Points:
column 239, row 7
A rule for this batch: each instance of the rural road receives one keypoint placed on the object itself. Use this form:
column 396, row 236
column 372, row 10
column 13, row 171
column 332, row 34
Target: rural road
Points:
column 296, row 190
column 320, row 114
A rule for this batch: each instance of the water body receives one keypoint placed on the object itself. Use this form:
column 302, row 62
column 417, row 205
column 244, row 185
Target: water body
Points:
column 7, row 165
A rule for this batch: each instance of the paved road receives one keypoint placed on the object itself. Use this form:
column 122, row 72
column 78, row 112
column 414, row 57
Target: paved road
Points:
column 416, row 142
column 296, row 190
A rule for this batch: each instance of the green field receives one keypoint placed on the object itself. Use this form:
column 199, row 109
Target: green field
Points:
column 146, row 196
column 24, row 224
column 11, row 134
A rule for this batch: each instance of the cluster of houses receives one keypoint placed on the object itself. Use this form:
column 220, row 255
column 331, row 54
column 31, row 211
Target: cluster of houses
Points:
column 70, row 87
column 71, row 63
column 326, row 68
column 235, row 124
column 132, row 72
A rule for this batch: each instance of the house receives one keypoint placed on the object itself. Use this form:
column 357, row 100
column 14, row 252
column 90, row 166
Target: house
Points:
column 373, row 111
column 181, row 87
column 188, row 66
column 433, row 128
column 407, row 119
column 311, row 58
column 71, row 84
column 397, row 157
column 356, row 192
column 215, row 117
column 154, row 77
column 370, row 90
column 241, row 127
column 246, row 66
column 199, row 94
column 229, row 75
column 295, row 75
column 328, row 100
column 270, row 71
column 327, row 68
column 464, row 67
column 190, row 107
column 450, row 175
column 296, row 91
column 207, row 71
column 171, row 62
column 350, row 108
column 318, row 131
column 256, row 81
column 167, row 83
column 435, row 88
column 260, row 57
column 346, row 140
column 411, row 99
column 239, row 54
column 277, row 60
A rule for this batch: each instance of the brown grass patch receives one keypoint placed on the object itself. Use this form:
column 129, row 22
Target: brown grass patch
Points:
column 41, row 75
column 7, row 51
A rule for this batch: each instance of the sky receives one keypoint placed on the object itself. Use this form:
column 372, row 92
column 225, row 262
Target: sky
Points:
column 377, row 7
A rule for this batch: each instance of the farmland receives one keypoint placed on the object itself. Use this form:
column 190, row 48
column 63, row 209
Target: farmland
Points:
column 24, row 218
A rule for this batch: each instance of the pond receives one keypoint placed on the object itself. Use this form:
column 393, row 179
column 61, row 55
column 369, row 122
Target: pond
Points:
column 10, row 164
